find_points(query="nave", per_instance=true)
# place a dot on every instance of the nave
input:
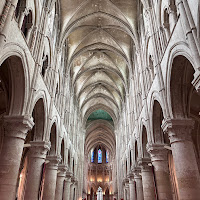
(100, 100)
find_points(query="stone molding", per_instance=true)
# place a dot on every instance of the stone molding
(157, 152)
(137, 173)
(4, 14)
(17, 126)
(178, 129)
(39, 149)
(145, 164)
(62, 169)
(53, 161)
(74, 180)
(68, 176)
(196, 81)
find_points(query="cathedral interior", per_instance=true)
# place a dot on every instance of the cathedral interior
(99, 100)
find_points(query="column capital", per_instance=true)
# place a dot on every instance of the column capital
(157, 152)
(145, 164)
(62, 169)
(39, 149)
(53, 161)
(17, 126)
(125, 181)
(130, 176)
(74, 180)
(68, 175)
(137, 173)
(178, 129)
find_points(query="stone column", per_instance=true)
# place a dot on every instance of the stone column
(127, 190)
(172, 14)
(67, 183)
(36, 159)
(159, 160)
(185, 162)
(21, 18)
(51, 177)
(60, 182)
(15, 131)
(139, 188)
(132, 188)
(147, 179)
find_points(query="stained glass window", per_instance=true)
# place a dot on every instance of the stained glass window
(92, 156)
(99, 156)
(107, 156)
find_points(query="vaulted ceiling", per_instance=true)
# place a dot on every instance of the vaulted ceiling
(100, 36)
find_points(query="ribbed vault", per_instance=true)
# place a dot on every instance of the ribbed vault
(100, 36)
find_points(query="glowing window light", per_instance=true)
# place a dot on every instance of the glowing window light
(92, 156)
(99, 156)
(107, 156)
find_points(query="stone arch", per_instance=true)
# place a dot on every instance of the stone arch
(53, 140)
(157, 118)
(63, 151)
(185, 100)
(69, 157)
(130, 158)
(155, 96)
(179, 49)
(145, 154)
(166, 23)
(13, 84)
(136, 152)
(40, 95)
(180, 86)
(39, 120)
(27, 24)
(154, 108)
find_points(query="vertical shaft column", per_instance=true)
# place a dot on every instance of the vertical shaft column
(139, 188)
(127, 190)
(147, 179)
(159, 160)
(67, 183)
(132, 188)
(36, 159)
(60, 182)
(185, 162)
(13, 142)
(51, 177)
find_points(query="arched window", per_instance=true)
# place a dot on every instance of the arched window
(107, 156)
(99, 156)
(21, 4)
(151, 67)
(45, 65)
(166, 23)
(56, 92)
(92, 156)
(27, 24)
